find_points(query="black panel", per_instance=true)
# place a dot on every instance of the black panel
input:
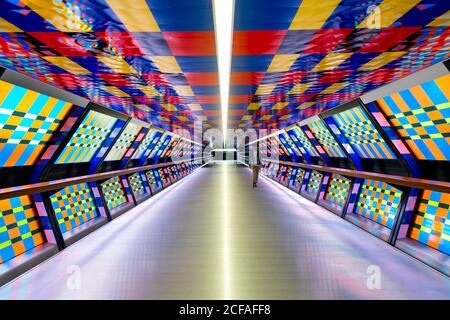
(435, 170)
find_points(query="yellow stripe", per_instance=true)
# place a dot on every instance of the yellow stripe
(117, 64)
(282, 62)
(185, 91)
(381, 60)
(299, 88)
(312, 14)
(279, 105)
(195, 106)
(166, 64)
(169, 107)
(286, 116)
(254, 106)
(266, 117)
(149, 91)
(27, 101)
(265, 89)
(182, 118)
(135, 15)
(305, 105)
(6, 26)
(246, 117)
(441, 21)
(335, 87)
(114, 91)
(389, 11)
(63, 17)
(332, 61)
(5, 88)
(48, 107)
(67, 64)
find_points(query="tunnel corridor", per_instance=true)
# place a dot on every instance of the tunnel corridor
(213, 236)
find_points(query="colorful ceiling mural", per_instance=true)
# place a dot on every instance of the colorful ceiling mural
(293, 59)
(153, 60)
(156, 60)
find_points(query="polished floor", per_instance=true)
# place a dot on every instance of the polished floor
(212, 236)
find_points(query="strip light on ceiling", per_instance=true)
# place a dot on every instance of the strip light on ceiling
(223, 19)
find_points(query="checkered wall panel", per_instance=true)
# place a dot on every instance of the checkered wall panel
(74, 206)
(143, 146)
(113, 193)
(124, 141)
(27, 122)
(379, 202)
(87, 139)
(421, 116)
(326, 139)
(431, 224)
(20, 229)
(337, 190)
(362, 134)
(297, 179)
(136, 185)
(313, 186)
(153, 180)
(289, 145)
(304, 142)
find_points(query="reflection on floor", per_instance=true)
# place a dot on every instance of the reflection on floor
(213, 236)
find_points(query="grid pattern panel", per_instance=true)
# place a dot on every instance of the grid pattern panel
(304, 141)
(27, 122)
(297, 180)
(421, 116)
(20, 229)
(136, 184)
(122, 144)
(362, 135)
(144, 144)
(328, 142)
(88, 138)
(379, 202)
(431, 224)
(113, 192)
(314, 182)
(338, 190)
(73, 206)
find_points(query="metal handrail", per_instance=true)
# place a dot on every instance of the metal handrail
(391, 179)
(46, 186)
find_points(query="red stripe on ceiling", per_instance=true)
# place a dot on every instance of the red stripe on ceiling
(240, 98)
(293, 77)
(245, 78)
(236, 112)
(325, 40)
(257, 42)
(124, 40)
(200, 43)
(202, 78)
(62, 43)
(208, 99)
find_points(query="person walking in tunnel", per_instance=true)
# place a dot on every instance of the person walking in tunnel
(256, 167)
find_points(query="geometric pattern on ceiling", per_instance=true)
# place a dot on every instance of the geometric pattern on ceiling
(293, 59)
(153, 60)
(156, 60)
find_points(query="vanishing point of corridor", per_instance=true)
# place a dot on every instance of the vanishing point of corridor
(213, 236)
